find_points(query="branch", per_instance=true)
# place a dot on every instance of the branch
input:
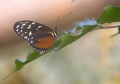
(105, 27)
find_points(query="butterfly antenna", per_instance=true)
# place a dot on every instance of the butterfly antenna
(57, 20)
(64, 18)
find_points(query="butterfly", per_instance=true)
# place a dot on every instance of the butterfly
(39, 36)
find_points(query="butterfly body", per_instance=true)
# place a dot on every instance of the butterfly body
(39, 36)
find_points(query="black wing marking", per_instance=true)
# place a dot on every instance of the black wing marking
(27, 28)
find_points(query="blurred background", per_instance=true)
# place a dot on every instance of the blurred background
(93, 59)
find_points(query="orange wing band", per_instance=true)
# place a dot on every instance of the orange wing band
(44, 43)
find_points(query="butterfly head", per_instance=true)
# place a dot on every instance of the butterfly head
(56, 29)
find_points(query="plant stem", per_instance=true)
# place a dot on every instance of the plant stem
(106, 27)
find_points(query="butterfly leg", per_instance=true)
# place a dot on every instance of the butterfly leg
(55, 50)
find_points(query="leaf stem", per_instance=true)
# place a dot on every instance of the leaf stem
(7, 76)
(106, 27)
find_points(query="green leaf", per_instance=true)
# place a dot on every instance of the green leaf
(87, 26)
(109, 14)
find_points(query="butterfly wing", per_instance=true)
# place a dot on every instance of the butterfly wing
(41, 41)
(26, 28)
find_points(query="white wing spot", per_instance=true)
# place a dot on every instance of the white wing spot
(41, 51)
(39, 26)
(21, 31)
(25, 37)
(21, 27)
(37, 29)
(29, 27)
(31, 41)
(31, 37)
(23, 24)
(17, 30)
(17, 26)
(22, 35)
(33, 22)
(30, 33)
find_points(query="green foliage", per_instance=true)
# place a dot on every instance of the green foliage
(110, 14)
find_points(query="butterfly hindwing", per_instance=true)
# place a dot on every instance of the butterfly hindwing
(41, 41)
(26, 28)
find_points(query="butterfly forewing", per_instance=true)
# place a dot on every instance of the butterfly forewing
(41, 41)
(26, 28)
(39, 36)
